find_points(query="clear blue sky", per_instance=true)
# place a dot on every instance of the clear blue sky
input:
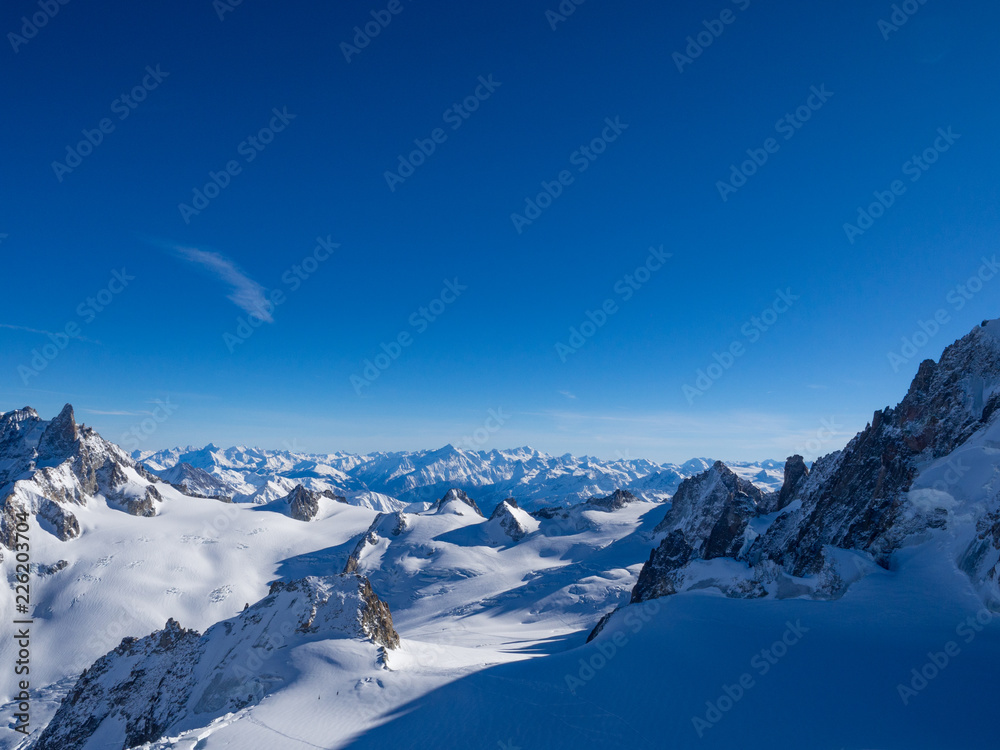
(494, 347)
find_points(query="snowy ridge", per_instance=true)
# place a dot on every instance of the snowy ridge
(144, 688)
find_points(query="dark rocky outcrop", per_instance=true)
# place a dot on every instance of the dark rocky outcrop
(615, 501)
(60, 437)
(303, 505)
(795, 472)
(60, 520)
(656, 577)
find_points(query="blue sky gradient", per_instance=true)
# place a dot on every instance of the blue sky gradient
(511, 110)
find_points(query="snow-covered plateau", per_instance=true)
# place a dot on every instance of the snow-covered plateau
(214, 598)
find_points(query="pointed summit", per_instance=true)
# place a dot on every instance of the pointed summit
(60, 435)
(454, 496)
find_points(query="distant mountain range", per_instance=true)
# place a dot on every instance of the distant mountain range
(388, 481)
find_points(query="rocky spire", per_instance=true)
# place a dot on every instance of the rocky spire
(60, 436)
(302, 504)
(795, 472)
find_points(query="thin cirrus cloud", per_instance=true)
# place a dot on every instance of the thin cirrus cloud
(46, 333)
(244, 292)
(103, 413)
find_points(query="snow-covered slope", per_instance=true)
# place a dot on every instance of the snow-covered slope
(148, 687)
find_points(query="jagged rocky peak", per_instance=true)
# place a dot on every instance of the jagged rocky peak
(700, 499)
(303, 505)
(615, 501)
(137, 692)
(709, 518)
(503, 508)
(795, 472)
(46, 468)
(457, 496)
(59, 438)
(856, 499)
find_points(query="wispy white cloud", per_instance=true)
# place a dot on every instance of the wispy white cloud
(46, 333)
(567, 394)
(117, 413)
(245, 293)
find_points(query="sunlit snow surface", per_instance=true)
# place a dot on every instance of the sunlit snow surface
(493, 650)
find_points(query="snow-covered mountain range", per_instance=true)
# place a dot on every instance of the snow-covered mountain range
(387, 481)
(207, 599)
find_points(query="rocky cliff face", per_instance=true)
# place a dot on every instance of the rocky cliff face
(49, 467)
(303, 505)
(135, 693)
(709, 518)
(615, 501)
(856, 499)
